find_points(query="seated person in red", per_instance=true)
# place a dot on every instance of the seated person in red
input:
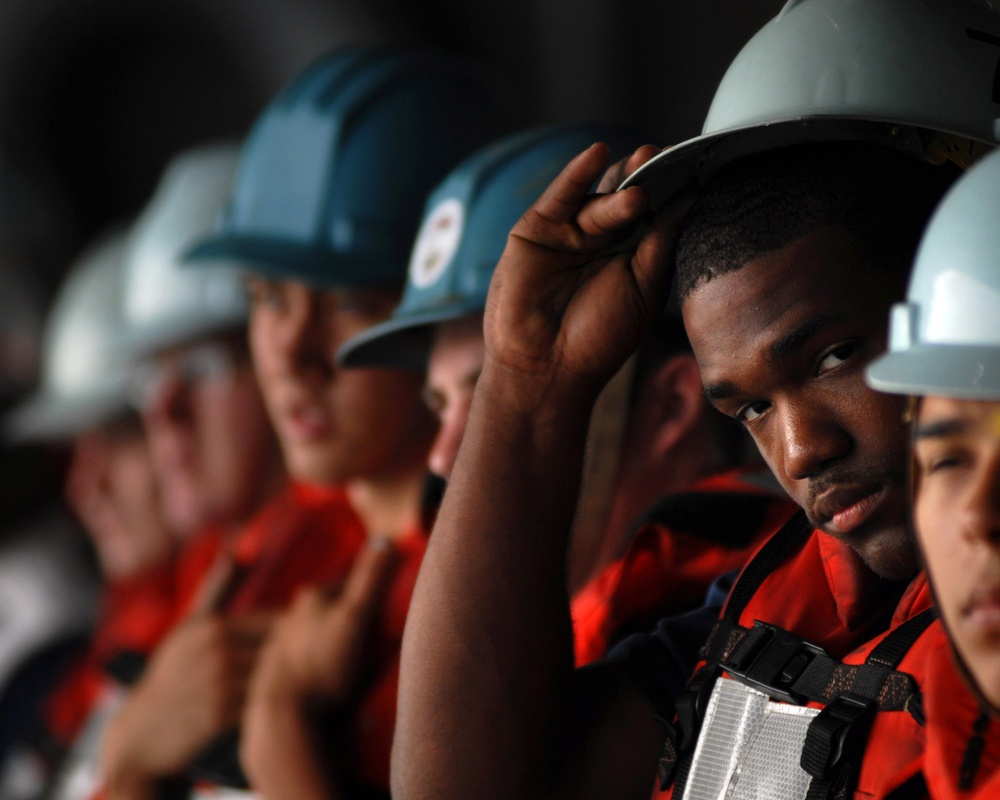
(658, 454)
(945, 350)
(111, 484)
(190, 379)
(324, 205)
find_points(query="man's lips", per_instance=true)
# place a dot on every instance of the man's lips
(841, 509)
(305, 420)
(982, 610)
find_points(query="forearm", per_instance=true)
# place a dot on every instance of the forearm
(124, 776)
(285, 760)
(487, 653)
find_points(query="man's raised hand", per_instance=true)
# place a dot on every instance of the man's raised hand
(579, 283)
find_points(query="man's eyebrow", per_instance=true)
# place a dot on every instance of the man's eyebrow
(788, 344)
(940, 429)
(719, 391)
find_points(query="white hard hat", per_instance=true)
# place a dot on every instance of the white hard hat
(83, 365)
(168, 303)
(915, 75)
(945, 339)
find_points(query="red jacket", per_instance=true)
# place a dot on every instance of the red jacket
(961, 758)
(374, 719)
(309, 537)
(135, 614)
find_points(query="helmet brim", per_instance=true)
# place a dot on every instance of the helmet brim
(693, 162)
(962, 371)
(152, 339)
(399, 343)
(289, 261)
(48, 418)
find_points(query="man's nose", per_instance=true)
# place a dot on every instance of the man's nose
(811, 439)
(981, 503)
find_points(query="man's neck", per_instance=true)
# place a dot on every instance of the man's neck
(388, 506)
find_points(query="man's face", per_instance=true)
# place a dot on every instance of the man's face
(211, 440)
(335, 425)
(456, 361)
(112, 487)
(782, 344)
(957, 514)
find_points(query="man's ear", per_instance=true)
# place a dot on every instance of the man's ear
(674, 402)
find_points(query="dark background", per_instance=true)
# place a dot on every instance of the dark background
(97, 95)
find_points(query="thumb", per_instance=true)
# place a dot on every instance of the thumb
(217, 585)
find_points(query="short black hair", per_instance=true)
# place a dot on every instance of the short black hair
(766, 201)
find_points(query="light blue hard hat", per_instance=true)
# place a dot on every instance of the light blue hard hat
(944, 340)
(335, 171)
(464, 231)
(918, 76)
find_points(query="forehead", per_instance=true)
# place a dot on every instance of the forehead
(978, 417)
(458, 345)
(783, 297)
(295, 286)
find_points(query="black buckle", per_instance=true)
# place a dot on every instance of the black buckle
(770, 659)
(833, 735)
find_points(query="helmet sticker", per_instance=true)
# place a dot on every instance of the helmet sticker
(437, 242)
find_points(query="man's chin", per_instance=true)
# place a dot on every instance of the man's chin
(889, 552)
(308, 466)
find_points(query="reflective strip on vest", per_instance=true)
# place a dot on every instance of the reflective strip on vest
(749, 747)
(79, 775)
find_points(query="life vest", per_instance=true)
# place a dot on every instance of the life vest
(770, 713)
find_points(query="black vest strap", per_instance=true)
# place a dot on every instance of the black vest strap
(789, 668)
(836, 737)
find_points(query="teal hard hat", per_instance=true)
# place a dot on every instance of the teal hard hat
(944, 340)
(466, 222)
(334, 173)
(84, 367)
(918, 76)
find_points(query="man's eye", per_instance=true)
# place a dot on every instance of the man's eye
(434, 402)
(938, 462)
(352, 303)
(752, 411)
(836, 357)
(264, 293)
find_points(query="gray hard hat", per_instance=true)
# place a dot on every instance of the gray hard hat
(914, 76)
(84, 368)
(945, 339)
(167, 303)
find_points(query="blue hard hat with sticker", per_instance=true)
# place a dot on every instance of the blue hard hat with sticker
(464, 231)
